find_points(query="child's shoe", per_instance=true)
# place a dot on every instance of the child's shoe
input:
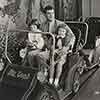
(51, 80)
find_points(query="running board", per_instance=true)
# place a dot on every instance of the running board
(66, 96)
(93, 66)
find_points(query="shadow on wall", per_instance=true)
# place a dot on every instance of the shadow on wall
(35, 8)
(3, 3)
(25, 10)
(68, 9)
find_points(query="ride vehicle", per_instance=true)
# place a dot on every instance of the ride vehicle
(93, 39)
(26, 82)
(89, 51)
(18, 81)
(92, 46)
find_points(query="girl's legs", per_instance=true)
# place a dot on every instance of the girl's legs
(59, 70)
(58, 73)
(52, 70)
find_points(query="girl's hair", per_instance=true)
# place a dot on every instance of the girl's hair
(34, 22)
(61, 26)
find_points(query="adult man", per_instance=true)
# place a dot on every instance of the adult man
(51, 23)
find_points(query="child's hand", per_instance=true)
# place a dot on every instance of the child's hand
(1, 65)
(63, 51)
(45, 72)
(23, 53)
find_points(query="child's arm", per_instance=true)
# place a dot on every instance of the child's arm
(68, 45)
(70, 40)
(1, 64)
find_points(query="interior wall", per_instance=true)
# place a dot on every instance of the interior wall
(90, 8)
(2, 3)
(95, 8)
(86, 8)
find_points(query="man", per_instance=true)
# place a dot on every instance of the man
(51, 24)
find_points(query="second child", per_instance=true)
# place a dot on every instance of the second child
(64, 42)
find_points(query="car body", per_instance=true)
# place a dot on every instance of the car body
(14, 75)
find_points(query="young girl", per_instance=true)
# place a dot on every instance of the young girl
(33, 50)
(34, 42)
(64, 42)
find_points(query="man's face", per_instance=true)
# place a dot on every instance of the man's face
(50, 14)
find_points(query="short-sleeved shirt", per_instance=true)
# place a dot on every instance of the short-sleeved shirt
(45, 26)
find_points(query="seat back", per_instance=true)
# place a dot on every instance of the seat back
(93, 31)
(82, 31)
(77, 34)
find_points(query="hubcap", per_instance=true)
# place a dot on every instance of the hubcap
(76, 86)
(76, 83)
(45, 96)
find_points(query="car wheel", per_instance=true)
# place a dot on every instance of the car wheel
(46, 93)
(76, 82)
(73, 79)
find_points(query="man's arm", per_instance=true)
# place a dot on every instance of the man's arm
(70, 38)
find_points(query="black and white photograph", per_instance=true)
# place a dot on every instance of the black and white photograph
(49, 50)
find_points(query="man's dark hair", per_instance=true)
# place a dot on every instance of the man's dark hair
(49, 7)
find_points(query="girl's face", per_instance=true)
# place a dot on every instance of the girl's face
(33, 27)
(62, 32)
